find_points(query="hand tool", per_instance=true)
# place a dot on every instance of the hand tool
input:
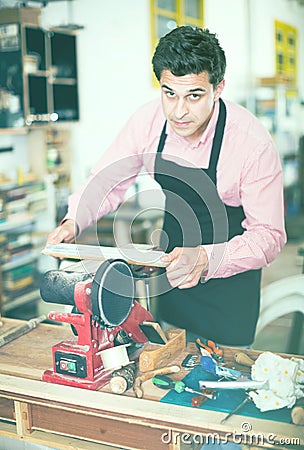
(243, 359)
(211, 347)
(16, 332)
(211, 366)
(297, 412)
(190, 361)
(233, 384)
(154, 333)
(196, 401)
(165, 382)
(155, 356)
(105, 314)
(123, 379)
(237, 408)
(148, 375)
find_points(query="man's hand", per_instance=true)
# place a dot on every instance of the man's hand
(66, 232)
(186, 266)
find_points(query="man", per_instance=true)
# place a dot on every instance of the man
(222, 180)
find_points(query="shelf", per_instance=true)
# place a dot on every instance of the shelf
(22, 300)
(31, 256)
(24, 219)
(21, 242)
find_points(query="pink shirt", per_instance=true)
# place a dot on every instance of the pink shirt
(249, 173)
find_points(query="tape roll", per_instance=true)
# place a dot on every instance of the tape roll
(115, 357)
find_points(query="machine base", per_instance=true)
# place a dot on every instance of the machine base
(101, 380)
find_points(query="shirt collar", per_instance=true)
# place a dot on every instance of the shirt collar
(207, 133)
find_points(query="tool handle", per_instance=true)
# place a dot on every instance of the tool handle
(165, 382)
(197, 401)
(242, 358)
(17, 332)
(297, 412)
(218, 351)
(201, 344)
(148, 375)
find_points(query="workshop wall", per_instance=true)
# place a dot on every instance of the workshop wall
(114, 61)
(114, 55)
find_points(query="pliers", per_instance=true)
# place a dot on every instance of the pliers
(211, 347)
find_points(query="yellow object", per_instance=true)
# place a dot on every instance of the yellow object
(20, 178)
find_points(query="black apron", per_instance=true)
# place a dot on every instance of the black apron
(222, 309)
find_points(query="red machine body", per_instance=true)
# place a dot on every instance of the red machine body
(76, 361)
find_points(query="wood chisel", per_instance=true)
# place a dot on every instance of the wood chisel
(16, 332)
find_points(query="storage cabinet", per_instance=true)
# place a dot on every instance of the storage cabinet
(38, 71)
(20, 243)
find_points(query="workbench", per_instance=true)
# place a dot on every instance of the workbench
(65, 417)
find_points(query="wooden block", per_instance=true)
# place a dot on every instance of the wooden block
(137, 254)
(155, 356)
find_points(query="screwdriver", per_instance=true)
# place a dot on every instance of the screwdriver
(165, 382)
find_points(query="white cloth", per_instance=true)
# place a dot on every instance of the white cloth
(284, 377)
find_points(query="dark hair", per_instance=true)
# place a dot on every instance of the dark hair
(187, 50)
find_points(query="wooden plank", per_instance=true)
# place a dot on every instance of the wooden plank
(50, 440)
(105, 430)
(141, 411)
(7, 410)
(23, 418)
(138, 255)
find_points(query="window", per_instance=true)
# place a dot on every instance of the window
(286, 52)
(168, 14)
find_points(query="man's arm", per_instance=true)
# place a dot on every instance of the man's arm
(264, 237)
(261, 194)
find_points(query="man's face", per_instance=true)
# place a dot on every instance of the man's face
(188, 102)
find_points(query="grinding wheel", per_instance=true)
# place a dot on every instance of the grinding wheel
(113, 292)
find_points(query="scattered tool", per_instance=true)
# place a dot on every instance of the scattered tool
(123, 379)
(211, 347)
(211, 366)
(190, 361)
(198, 400)
(16, 332)
(155, 356)
(148, 375)
(165, 382)
(243, 359)
(247, 385)
(297, 412)
(237, 408)
(153, 332)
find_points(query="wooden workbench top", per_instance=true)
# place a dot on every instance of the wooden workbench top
(23, 361)
(30, 354)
